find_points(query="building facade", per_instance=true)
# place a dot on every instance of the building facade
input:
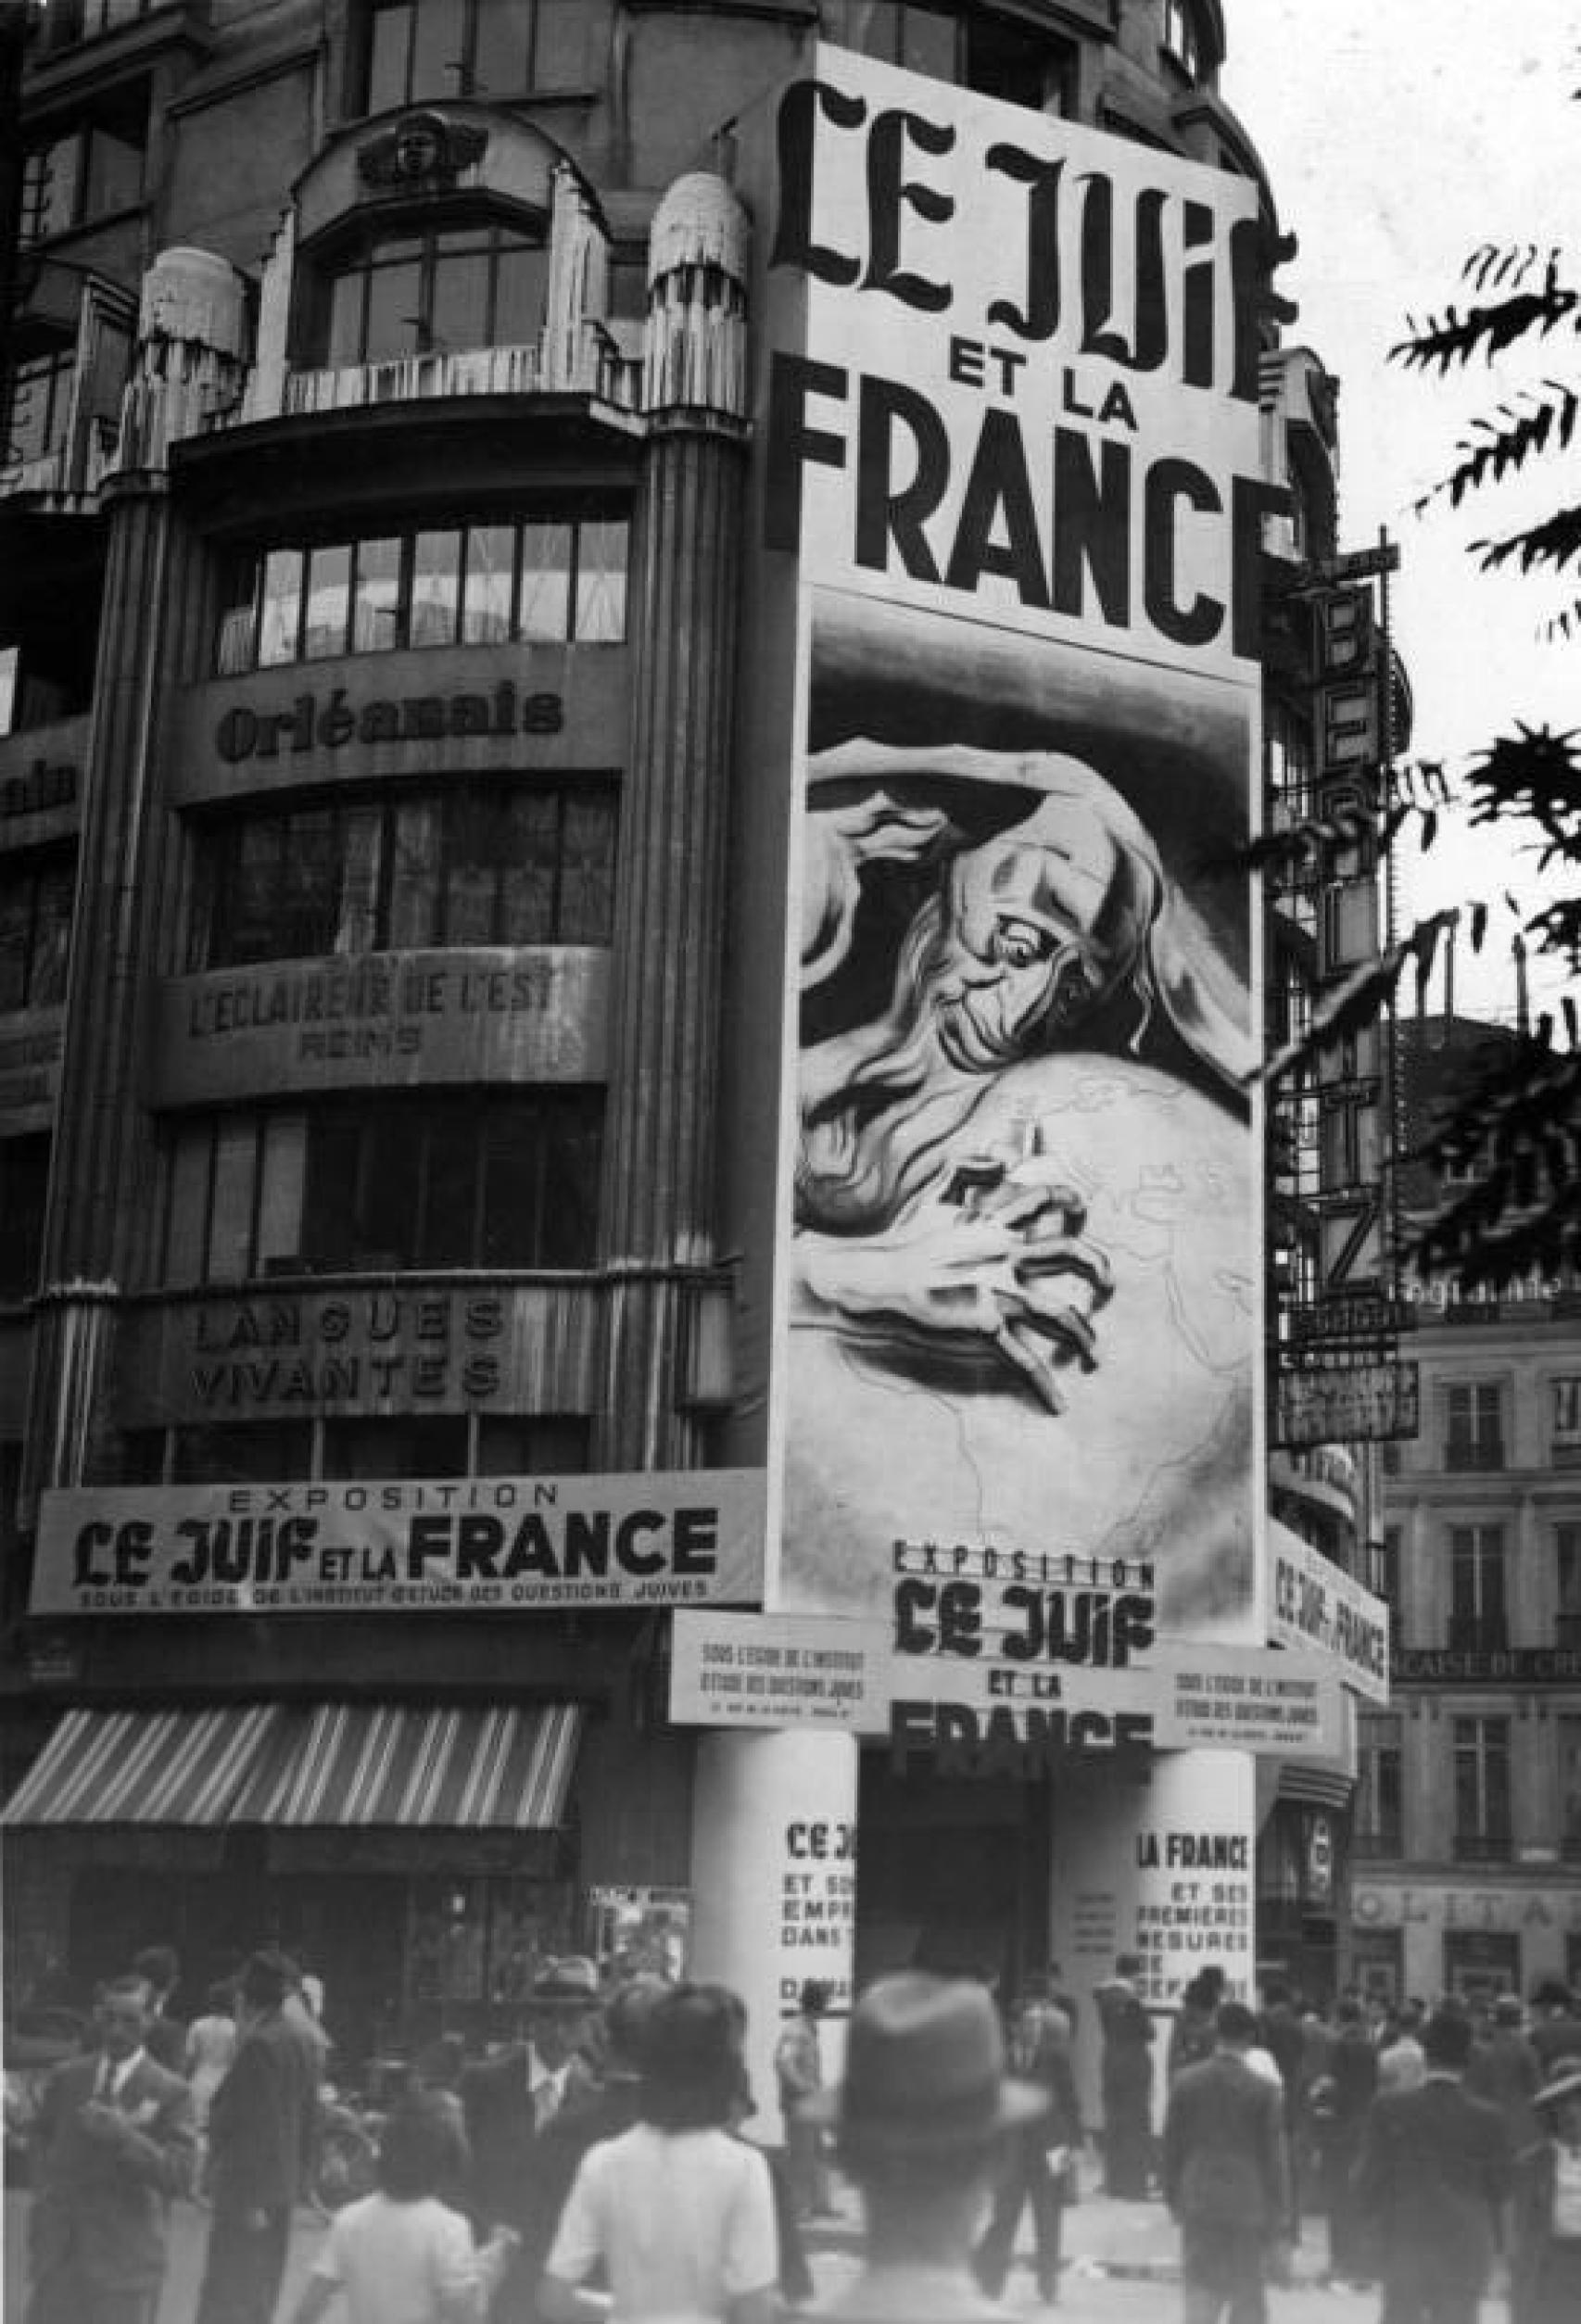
(390, 937)
(1467, 1830)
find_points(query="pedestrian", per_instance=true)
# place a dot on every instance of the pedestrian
(1063, 2000)
(1402, 2064)
(1285, 2043)
(263, 2128)
(529, 2113)
(799, 2072)
(920, 2124)
(1126, 2076)
(210, 2048)
(1505, 2070)
(113, 2142)
(1039, 2157)
(678, 2214)
(1226, 2177)
(1192, 2037)
(1432, 2181)
(402, 2256)
(160, 1968)
(1546, 2274)
(1555, 2031)
(1338, 2103)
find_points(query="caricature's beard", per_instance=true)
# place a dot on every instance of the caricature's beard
(877, 1104)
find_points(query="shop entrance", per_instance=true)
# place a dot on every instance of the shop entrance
(952, 1875)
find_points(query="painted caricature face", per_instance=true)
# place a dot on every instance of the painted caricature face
(1041, 925)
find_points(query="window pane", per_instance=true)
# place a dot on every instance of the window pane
(450, 1208)
(587, 886)
(52, 935)
(329, 1209)
(457, 313)
(376, 614)
(531, 855)
(390, 1162)
(473, 847)
(521, 286)
(115, 173)
(280, 1194)
(600, 581)
(347, 295)
(435, 588)
(16, 932)
(437, 51)
(188, 1217)
(513, 1187)
(230, 1237)
(249, 896)
(238, 619)
(568, 1233)
(486, 604)
(395, 310)
(389, 36)
(329, 601)
(281, 627)
(309, 904)
(414, 882)
(572, 44)
(499, 52)
(546, 581)
(928, 43)
(357, 920)
(58, 179)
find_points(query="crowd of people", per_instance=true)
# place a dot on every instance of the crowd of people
(597, 2168)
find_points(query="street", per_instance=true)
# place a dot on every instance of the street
(1101, 2235)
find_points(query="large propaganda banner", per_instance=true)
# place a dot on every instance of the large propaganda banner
(1008, 413)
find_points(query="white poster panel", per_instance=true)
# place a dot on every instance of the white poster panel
(983, 1713)
(1010, 420)
(1313, 1606)
(459, 1545)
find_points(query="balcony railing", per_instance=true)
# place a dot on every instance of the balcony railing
(601, 371)
(1482, 1848)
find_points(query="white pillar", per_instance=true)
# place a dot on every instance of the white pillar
(773, 1885)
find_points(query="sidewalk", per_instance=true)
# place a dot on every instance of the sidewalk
(1103, 2237)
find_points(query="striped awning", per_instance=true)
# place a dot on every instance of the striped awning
(145, 1767)
(354, 1765)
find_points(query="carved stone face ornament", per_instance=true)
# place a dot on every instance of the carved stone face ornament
(424, 150)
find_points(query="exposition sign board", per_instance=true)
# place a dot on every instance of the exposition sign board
(983, 1711)
(457, 1545)
(1314, 1605)
(1010, 503)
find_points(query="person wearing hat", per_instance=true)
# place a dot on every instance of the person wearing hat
(529, 2113)
(1040, 2157)
(799, 2074)
(1545, 2286)
(1226, 2173)
(921, 2124)
(678, 2212)
(1433, 2179)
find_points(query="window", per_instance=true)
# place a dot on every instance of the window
(24, 1187)
(414, 1445)
(1567, 1733)
(1383, 1569)
(69, 20)
(1379, 1825)
(89, 171)
(1567, 1588)
(424, 49)
(496, 863)
(546, 1444)
(1482, 1789)
(544, 579)
(408, 293)
(1474, 1431)
(974, 46)
(1181, 37)
(245, 1452)
(35, 929)
(41, 405)
(502, 1181)
(1565, 1449)
(1478, 1621)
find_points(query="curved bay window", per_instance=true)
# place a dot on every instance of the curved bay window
(375, 1184)
(415, 289)
(474, 864)
(550, 580)
(999, 55)
(410, 50)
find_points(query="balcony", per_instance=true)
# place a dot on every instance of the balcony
(601, 370)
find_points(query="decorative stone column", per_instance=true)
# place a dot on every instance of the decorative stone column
(188, 370)
(658, 1201)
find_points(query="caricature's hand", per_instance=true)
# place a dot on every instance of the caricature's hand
(994, 1261)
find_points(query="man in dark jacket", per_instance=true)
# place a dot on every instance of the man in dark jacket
(262, 2130)
(1433, 2179)
(1340, 2100)
(531, 2114)
(1040, 2155)
(114, 2143)
(1225, 2177)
